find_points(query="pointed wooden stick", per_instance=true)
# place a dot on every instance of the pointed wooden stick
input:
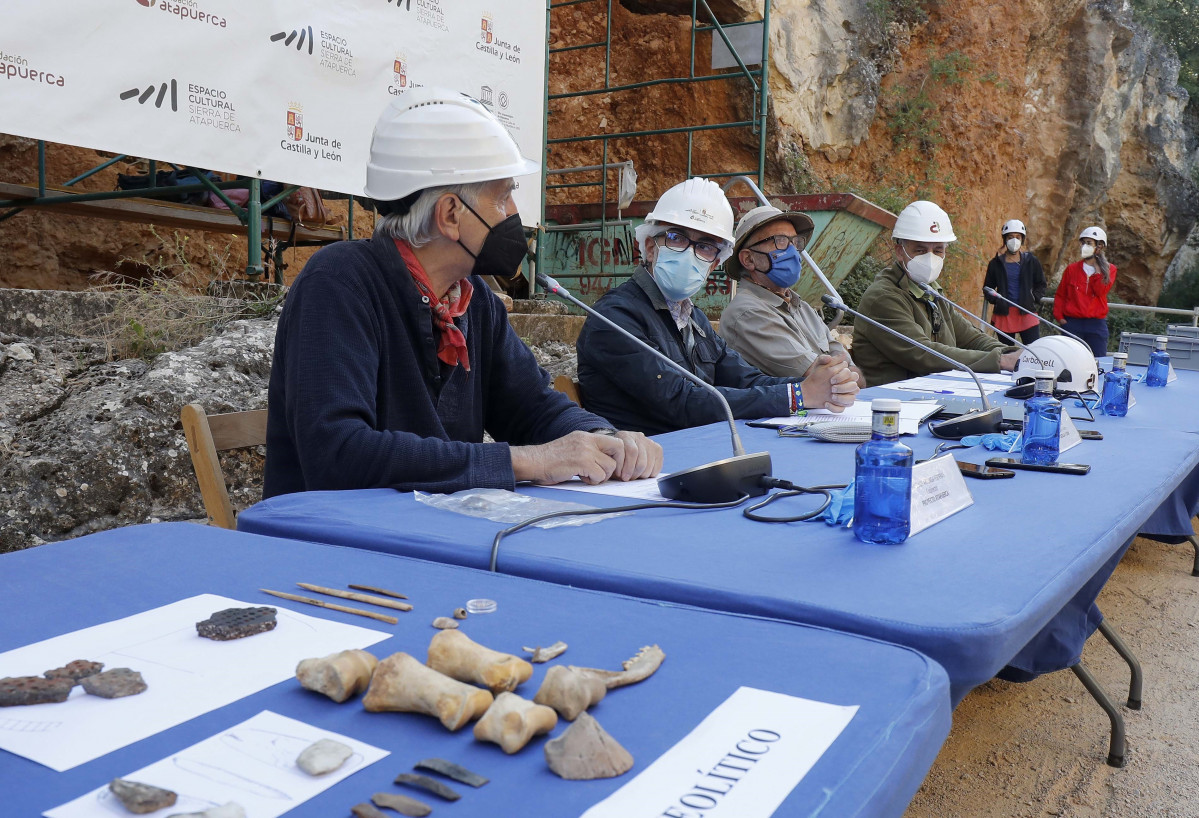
(367, 598)
(390, 620)
(375, 590)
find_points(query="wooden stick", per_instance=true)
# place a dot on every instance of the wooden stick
(367, 598)
(375, 590)
(390, 620)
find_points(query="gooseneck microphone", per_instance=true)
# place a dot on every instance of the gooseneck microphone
(999, 332)
(993, 293)
(720, 482)
(974, 422)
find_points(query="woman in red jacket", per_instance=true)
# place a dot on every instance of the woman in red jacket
(1080, 304)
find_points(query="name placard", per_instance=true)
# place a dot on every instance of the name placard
(938, 491)
(1069, 437)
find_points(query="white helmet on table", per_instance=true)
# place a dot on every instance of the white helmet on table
(1094, 233)
(429, 137)
(923, 221)
(1013, 226)
(1071, 361)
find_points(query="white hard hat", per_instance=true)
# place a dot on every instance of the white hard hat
(923, 221)
(764, 214)
(697, 203)
(1095, 233)
(1013, 226)
(1072, 362)
(428, 137)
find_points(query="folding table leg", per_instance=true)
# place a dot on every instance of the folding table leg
(1134, 685)
(1115, 752)
(1195, 543)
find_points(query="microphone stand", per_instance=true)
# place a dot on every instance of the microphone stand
(1010, 339)
(719, 482)
(992, 292)
(974, 422)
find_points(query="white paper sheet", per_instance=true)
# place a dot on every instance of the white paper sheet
(936, 386)
(911, 415)
(252, 763)
(785, 734)
(646, 489)
(1006, 379)
(186, 675)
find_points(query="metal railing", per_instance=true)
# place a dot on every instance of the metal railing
(1192, 313)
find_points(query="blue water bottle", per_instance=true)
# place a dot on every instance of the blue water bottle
(1159, 364)
(1042, 421)
(882, 500)
(1116, 385)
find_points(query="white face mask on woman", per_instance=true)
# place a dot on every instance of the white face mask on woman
(1088, 250)
(1013, 244)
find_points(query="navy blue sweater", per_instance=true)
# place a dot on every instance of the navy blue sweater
(359, 399)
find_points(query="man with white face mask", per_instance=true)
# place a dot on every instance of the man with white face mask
(921, 238)
(688, 233)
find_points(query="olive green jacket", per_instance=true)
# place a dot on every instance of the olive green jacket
(895, 301)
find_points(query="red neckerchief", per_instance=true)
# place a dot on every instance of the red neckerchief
(451, 343)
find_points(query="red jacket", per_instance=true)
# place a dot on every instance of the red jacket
(1082, 296)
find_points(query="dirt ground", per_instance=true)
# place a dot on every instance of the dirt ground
(1039, 749)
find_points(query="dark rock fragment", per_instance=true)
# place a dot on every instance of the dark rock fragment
(429, 784)
(402, 804)
(115, 683)
(141, 798)
(366, 810)
(18, 690)
(234, 623)
(75, 671)
(451, 770)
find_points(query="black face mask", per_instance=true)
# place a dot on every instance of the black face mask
(502, 250)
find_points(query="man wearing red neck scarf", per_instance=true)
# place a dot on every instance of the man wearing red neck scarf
(392, 357)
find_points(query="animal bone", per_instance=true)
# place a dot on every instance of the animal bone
(511, 721)
(545, 654)
(586, 751)
(401, 804)
(428, 784)
(456, 655)
(402, 683)
(451, 770)
(641, 666)
(571, 690)
(460, 613)
(444, 623)
(338, 675)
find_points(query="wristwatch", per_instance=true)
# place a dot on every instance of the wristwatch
(604, 430)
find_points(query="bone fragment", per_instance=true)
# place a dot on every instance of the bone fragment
(451, 770)
(545, 654)
(429, 784)
(511, 721)
(444, 623)
(570, 690)
(456, 655)
(375, 590)
(460, 613)
(401, 804)
(402, 683)
(367, 810)
(586, 751)
(339, 676)
(230, 809)
(640, 667)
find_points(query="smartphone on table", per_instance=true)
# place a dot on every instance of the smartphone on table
(987, 472)
(1056, 468)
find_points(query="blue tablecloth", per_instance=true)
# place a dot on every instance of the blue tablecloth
(872, 769)
(970, 592)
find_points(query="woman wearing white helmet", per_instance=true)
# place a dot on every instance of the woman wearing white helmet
(1080, 303)
(921, 238)
(687, 234)
(1015, 273)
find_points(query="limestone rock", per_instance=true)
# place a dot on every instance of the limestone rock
(114, 684)
(586, 751)
(141, 798)
(323, 756)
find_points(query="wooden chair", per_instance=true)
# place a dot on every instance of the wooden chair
(209, 434)
(569, 388)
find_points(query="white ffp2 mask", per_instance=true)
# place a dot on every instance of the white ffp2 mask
(1013, 245)
(925, 269)
(1088, 250)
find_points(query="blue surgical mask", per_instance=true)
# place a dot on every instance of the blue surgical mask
(785, 267)
(679, 275)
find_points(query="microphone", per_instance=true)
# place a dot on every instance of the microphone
(991, 292)
(720, 482)
(999, 332)
(974, 422)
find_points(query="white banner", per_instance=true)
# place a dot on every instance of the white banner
(288, 91)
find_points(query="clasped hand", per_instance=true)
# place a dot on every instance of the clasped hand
(593, 458)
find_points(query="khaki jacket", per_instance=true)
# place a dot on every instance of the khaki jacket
(893, 300)
(780, 338)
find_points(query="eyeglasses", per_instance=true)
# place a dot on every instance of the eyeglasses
(678, 241)
(781, 241)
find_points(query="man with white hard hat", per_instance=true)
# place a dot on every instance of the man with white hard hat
(392, 356)
(921, 238)
(688, 233)
(766, 322)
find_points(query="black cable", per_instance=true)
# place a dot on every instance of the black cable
(790, 490)
(495, 544)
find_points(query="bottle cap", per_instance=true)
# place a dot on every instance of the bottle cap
(1161, 339)
(1119, 356)
(885, 405)
(1046, 374)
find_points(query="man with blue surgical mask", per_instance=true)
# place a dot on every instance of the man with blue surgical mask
(921, 239)
(767, 322)
(688, 233)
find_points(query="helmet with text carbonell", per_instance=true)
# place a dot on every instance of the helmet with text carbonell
(924, 222)
(1072, 362)
(429, 137)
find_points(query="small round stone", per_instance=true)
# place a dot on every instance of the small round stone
(323, 756)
